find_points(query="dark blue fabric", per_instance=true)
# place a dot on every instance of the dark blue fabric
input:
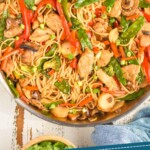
(138, 130)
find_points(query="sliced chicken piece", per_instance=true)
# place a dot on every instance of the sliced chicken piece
(107, 80)
(12, 28)
(27, 57)
(116, 10)
(54, 22)
(40, 18)
(40, 35)
(67, 48)
(100, 26)
(9, 67)
(145, 40)
(105, 58)
(130, 72)
(85, 63)
(35, 24)
(144, 35)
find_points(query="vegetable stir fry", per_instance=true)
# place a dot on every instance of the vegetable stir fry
(76, 59)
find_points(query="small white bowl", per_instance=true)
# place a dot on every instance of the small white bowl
(47, 138)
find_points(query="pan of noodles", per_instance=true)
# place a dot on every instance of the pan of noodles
(76, 62)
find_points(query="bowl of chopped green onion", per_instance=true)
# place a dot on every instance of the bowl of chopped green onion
(48, 142)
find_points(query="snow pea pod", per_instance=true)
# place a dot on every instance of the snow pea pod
(124, 23)
(84, 39)
(133, 96)
(12, 87)
(82, 3)
(144, 4)
(63, 86)
(109, 3)
(3, 24)
(64, 4)
(132, 31)
(118, 71)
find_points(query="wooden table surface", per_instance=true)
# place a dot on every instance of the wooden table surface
(18, 126)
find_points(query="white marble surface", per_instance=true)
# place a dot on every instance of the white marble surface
(33, 126)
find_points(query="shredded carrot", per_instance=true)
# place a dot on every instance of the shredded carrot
(4, 62)
(51, 72)
(103, 9)
(85, 101)
(129, 58)
(9, 54)
(59, 79)
(122, 52)
(106, 42)
(133, 17)
(96, 50)
(63, 36)
(31, 88)
(141, 50)
(115, 50)
(67, 104)
(22, 96)
(91, 23)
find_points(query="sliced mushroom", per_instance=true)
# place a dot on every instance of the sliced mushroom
(92, 119)
(83, 117)
(91, 105)
(94, 112)
(38, 105)
(127, 4)
(146, 32)
(106, 102)
(35, 95)
(60, 112)
(118, 105)
(73, 117)
(129, 7)
(29, 46)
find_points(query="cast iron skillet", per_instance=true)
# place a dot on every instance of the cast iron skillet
(107, 119)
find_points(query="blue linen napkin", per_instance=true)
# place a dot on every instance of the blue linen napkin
(138, 130)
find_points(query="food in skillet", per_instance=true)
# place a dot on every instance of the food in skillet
(76, 59)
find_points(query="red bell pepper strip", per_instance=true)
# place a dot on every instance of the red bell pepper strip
(65, 24)
(26, 20)
(148, 52)
(41, 4)
(146, 67)
(73, 63)
(4, 62)
(19, 41)
(147, 17)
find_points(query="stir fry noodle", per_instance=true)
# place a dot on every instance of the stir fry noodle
(76, 59)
